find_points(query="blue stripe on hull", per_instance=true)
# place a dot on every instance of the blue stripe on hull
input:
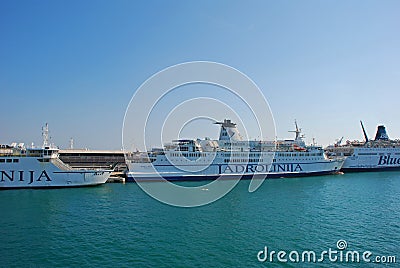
(370, 169)
(233, 177)
(47, 187)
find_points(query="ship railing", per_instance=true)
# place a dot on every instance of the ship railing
(60, 164)
(142, 160)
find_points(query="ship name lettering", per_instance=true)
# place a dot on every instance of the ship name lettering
(11, 175)
(260, 168)
(298, 168)
(245, 168)
(387, 160)
(286, 168)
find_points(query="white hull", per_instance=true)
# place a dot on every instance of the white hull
(32, 172)
(373, 159)
(283, 168)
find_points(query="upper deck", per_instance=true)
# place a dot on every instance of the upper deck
(230, 140)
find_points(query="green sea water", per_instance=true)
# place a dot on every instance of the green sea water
(118, 225)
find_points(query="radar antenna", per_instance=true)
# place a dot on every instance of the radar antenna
(297, 131)
(226, 123)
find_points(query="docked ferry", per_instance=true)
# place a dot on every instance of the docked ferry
(379, 154)
(22, 167)
(231, 157)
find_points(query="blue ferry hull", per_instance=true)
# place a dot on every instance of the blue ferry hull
(231, 177)
(370, 169)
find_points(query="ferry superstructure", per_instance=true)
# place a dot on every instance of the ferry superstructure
(231, 157)
(379, 154)
(22, 167)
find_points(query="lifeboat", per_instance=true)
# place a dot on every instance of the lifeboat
(298, 148)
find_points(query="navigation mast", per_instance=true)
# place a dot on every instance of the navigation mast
(45, 134)
(297, 131)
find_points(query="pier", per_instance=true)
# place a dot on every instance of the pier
(96, 159)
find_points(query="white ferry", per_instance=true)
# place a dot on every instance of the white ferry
(231, 157)
(22, 167)
(370, 155)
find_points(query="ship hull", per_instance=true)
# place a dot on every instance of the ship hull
(288, 170)
(29, 172)
(49, 186)
(370, 169)
(373, 159)
(133, 178)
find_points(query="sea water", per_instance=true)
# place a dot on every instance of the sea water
(118, 225)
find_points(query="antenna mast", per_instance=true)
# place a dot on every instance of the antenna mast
(45, 134)
(297, 131)
(365, 133)
(71, 143)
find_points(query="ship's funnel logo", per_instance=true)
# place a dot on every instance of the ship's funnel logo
(381, 134)
(179, 104)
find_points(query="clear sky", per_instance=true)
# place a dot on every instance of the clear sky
(76, 64)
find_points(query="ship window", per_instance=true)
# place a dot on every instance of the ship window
(15, 160)
(2, 160)
(9, 160)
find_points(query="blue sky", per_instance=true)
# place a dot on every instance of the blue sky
(76, 64)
